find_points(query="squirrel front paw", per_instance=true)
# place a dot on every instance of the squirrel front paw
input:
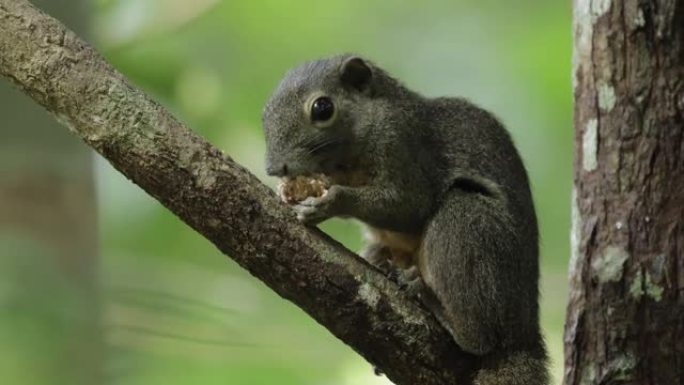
(314, 210)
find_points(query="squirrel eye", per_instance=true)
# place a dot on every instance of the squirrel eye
(322, 109)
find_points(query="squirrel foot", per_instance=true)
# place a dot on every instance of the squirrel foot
(410, 281)
(379, 256)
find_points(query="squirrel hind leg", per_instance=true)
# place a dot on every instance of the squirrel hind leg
(475, 264)
(377, 255)
(460, 261)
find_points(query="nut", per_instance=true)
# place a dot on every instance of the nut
(294, 190)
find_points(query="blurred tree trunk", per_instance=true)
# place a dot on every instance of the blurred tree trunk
(625, 322)
(49, 314)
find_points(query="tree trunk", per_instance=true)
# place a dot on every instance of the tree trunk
(625, 322)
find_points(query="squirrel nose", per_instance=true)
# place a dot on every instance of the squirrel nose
(278, 169)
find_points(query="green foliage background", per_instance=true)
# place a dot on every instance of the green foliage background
(174, 310)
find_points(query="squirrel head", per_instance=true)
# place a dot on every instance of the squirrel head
(316, 115)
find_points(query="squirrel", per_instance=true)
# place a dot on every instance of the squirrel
(442, 190)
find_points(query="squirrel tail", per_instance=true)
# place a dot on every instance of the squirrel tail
(522, 367)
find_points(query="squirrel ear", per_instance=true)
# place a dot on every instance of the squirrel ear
(356, 73)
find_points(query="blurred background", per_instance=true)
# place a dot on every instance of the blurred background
(99, 284)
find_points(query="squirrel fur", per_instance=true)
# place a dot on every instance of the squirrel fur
(442, 190)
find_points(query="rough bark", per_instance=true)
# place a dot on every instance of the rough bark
(625, 322)
(224, 202)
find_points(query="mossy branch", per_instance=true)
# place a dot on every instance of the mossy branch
(223, 201)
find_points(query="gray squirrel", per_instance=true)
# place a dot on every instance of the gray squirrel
(442, 190)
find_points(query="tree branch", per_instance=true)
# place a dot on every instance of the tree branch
(223, 201)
